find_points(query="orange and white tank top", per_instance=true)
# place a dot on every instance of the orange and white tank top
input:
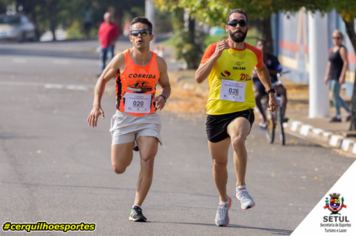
(136, 87)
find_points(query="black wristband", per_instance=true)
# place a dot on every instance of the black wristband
(271, 91)
(165, 99)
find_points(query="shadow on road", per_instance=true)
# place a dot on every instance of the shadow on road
(101, 187)
(274, 231)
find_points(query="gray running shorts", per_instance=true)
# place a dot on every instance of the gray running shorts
(126, 128)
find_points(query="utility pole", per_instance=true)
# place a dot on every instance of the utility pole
(319, 102)
(150, 14)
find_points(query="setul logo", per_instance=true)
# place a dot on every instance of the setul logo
(144, 76)
(335, 204)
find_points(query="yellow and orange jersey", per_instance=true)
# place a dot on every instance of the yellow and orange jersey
(136, 86)
(230, 80)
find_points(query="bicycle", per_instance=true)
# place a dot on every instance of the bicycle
(271, 116)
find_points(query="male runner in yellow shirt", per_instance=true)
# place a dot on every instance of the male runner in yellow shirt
(229, 65)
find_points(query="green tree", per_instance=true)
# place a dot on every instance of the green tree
(188, 42)
(213, 12)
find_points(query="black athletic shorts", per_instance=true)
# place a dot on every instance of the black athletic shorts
(216, 125)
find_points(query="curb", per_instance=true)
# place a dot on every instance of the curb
(325, 138)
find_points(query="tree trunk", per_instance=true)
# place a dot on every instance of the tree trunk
(34, 20)
(2, 7)
(29, 9)
(350, 29)
(52, 10)
(267, 33)
(118, 18)
(191, 35)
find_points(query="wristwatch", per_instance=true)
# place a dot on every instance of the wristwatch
(271, 91)
(165, 99)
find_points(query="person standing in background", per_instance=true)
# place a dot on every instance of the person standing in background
(108, 34)
(335, 72)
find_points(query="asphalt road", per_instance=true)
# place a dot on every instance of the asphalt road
(54, 168)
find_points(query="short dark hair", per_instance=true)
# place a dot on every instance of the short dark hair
(236, 11)
(143, 20)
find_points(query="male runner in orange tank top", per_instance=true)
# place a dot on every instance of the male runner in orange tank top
(137, 71)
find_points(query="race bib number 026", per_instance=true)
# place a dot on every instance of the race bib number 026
(137, 103)
(232, 90)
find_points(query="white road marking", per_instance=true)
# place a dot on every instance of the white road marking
(76, 87)
(19, 60)
(61, 62)
(49, 86)
(53, 86)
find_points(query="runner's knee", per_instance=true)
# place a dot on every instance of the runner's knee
(119, 168)
(219, 166)
(147, 162)
(238, 142)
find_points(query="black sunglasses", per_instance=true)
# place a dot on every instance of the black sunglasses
(242, 23)
(142, 32)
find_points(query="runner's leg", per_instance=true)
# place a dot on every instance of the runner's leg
(121, 156)
(148, 147)
(238, 130)
(219, 153)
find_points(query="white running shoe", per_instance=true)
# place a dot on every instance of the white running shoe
(222, 215)
(245, 198)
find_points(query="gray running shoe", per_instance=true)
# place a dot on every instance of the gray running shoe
(222, 215)
(245, 198)
(136, 215)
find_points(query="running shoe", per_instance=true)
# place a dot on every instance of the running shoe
(348, 118)
(136, 215)
(244, 197)
(335, 119)
(222, 215)
(263, 125)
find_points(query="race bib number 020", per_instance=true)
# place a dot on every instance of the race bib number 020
(232, 90)
(137, 103)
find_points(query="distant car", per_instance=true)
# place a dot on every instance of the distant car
(17, 27)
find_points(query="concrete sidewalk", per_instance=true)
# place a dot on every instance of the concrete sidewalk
(319, 130)
(333, 135)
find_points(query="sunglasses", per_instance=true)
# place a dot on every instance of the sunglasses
(142, 32)
(242, 23)
(336, 38)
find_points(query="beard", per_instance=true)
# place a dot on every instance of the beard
(238, 39)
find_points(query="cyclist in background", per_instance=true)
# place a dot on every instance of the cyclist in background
(274, 67)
